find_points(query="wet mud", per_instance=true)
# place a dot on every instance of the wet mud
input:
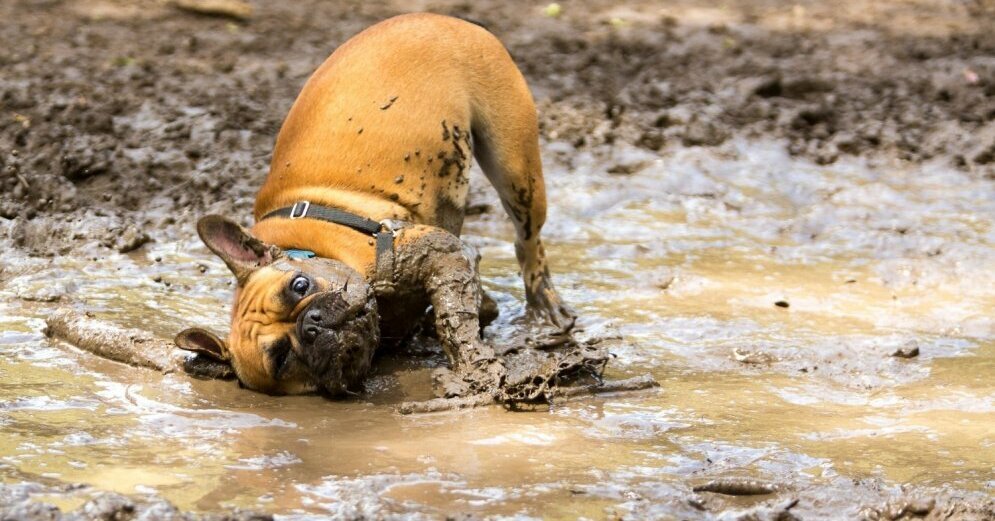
(107, 134)
(780, 212)
(15, 505)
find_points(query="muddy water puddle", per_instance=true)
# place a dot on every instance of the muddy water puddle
(766, 294)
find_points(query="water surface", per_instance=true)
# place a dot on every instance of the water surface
(684, 260)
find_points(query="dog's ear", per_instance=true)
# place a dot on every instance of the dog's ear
(242, 252)
(203, 342)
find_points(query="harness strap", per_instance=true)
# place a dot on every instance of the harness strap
(385, 252)
(304, 209)
(382, 231)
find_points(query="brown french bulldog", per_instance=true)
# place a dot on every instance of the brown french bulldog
(357, 225)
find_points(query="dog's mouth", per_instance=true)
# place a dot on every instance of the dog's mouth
(337, 336)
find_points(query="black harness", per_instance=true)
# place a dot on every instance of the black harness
(382, 231)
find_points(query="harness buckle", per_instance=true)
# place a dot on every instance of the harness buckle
(388, 225)
(303, 206)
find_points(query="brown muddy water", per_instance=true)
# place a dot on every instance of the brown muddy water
(766, 293)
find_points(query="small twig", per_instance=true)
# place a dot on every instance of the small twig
(737, 487)
(637, 383)
(481, 400)
(23, 181)
(236, 9)
(446, 404)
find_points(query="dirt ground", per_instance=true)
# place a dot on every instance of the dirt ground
(119, 119)
(122, 121)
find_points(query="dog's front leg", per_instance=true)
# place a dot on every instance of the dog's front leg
(446, 269)
(454, 290)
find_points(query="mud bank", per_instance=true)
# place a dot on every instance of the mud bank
(122, 118)
(30, 501)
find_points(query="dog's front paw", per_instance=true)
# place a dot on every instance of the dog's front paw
(446, 383)
(482, 377)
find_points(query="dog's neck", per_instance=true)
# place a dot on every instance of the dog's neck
(325, 239)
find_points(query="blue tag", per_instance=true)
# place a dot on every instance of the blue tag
(300, 254)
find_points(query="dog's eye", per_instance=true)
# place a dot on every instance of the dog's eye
(300, 285)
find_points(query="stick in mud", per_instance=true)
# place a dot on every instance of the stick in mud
(638, 383)
(737, 487)
(235, 9)
(130, 346)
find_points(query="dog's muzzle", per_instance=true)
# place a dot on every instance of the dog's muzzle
(338, 333)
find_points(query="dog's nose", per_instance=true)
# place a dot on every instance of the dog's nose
(311, 321)
(326, 313)
(310, 333)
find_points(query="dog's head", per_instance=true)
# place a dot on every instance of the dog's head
(299, 325)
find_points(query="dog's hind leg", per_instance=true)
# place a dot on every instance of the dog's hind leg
(506, 143)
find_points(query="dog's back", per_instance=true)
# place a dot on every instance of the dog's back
(385, 128)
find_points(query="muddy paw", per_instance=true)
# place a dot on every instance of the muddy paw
(541, 331)
(448, 384)
(483, 377)
(550, 315)
(547, 307)
(532, 388)
(533, 374)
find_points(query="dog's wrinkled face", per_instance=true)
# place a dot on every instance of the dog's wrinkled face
(298, 325)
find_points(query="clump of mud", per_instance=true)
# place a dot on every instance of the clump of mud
(16, 503)
(828, 83)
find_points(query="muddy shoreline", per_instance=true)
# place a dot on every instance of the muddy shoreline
(811, 132)
(17, 502)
